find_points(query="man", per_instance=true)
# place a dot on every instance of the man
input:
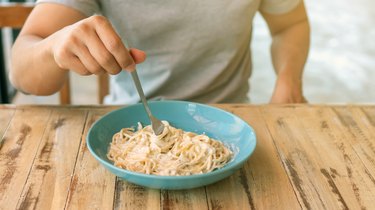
(196, 50)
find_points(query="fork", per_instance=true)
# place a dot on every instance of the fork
(156, 124)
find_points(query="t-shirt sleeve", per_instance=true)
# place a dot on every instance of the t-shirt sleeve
(87, 7)
(278, 6)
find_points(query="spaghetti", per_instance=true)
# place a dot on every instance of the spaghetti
(172, 153)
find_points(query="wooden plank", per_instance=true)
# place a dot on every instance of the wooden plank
(14, 14)
(131, 196)
(367, 116)
(92, 186)
(5, 118)
(49, 180)
(64, 93)
(301, 159)
(266, 169)
(253, 187)
(184, 199)
(20, 144)
(103, 87)
(359, 126)
(340, 166)
(232, 192)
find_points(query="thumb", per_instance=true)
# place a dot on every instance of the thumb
(138, 55)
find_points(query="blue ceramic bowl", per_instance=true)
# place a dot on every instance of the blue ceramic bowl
(198, 118)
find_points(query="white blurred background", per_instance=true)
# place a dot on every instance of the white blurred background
(341, 64)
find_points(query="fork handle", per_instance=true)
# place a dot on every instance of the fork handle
(140, 92)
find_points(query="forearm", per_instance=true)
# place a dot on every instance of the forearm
(289, 51)
(34, 69)
(290, 45)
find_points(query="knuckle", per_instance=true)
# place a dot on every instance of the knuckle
(114, 44)
(98, 19)
(95, 69)
(61, 56)
(106, 58)
(69, 42)
(80, 30)
(61, 64)
(83, 28)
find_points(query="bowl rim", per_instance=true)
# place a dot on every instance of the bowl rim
(179, 177)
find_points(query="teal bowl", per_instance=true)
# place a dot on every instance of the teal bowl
(194, 117)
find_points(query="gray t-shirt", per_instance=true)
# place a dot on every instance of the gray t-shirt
(196, 50)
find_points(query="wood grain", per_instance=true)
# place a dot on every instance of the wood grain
(49, 180)
(307, 157)
(6, 115)
(342, 168)
(301, 159)
(64, 93)
(262, 183)
(131, 196)
(267, 174)
(184, 199)
(103, 87)
(14, 14)
(362, 133)
(236, 194)
(92, 186)
(20, 144)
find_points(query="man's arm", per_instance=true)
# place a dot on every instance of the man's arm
(34, 69)
(57, 38)
(290, 45)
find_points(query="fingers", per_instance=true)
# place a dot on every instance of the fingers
(78, 59)
(78, 67)
(113, 43)
(66, 59)
(101, 55)
(92, 46)
(89, 61)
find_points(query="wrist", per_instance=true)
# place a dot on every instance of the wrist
(289, 77)
(288, 89)
(49, 44)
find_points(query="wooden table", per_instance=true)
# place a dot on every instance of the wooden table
(307, 157)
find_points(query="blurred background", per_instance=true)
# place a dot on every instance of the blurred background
(340, 68)
(341, 63)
